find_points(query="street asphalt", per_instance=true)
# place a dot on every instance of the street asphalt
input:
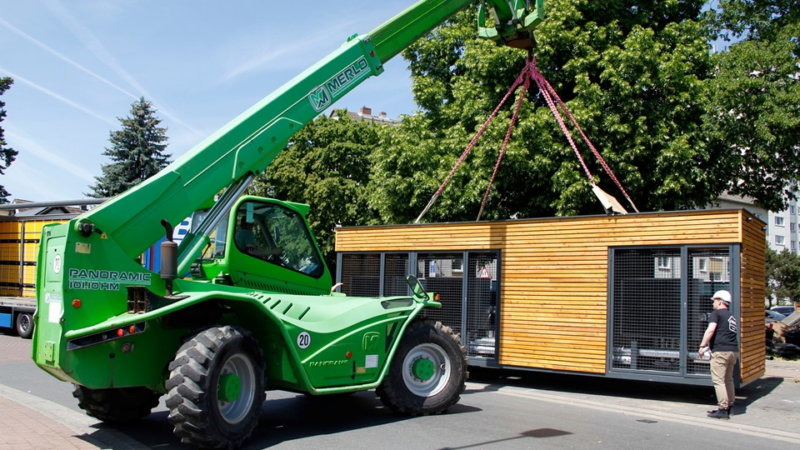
(42, 414)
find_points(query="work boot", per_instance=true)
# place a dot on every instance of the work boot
(729, 409)
(720, 414)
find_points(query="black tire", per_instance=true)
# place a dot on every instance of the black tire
(428, 372)
(197, 380)
(24, 325)
(116, 406)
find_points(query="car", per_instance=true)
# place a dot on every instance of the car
(785, 310)
(773, 316)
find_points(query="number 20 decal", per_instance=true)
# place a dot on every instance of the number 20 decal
(304, 340)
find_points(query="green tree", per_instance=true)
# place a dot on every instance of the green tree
(783, 276)
(632, 74)
(753, 111)
(136, 152)
(325, 165)
(7, 154)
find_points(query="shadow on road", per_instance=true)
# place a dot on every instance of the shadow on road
(283, 419)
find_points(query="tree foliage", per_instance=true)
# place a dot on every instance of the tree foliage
(753, 112)
(325, 165)
(7, 154)
(632, 74)
(136, 152)
(783, 275)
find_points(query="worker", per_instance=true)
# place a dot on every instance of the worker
(246, 242)
(721, 337)
(245, 239)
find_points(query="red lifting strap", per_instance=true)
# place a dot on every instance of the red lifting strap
(549, 94)
(522, 76)
(548, 91)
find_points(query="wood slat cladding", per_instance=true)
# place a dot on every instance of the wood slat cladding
(554, 288)
(752, 299)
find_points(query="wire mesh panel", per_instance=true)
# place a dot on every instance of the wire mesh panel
(709, 271)
(646, 331)
(361, 274)
(394, 275)
(443, 273)
(482, 293)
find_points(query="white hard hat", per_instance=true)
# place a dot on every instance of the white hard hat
(725, 296)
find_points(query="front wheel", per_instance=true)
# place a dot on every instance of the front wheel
(216, 388)
(428, 372)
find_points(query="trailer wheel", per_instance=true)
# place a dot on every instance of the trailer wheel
(216, 388)
(117, 406)
(24, 325)
(428, 373)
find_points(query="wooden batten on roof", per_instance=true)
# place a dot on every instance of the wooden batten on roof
(557, 267)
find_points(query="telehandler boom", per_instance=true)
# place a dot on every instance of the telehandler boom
(257, 312)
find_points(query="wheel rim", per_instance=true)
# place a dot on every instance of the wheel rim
(25, 323)
(426, 370)
(236, 388)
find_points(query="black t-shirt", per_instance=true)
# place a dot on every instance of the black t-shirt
(725, 337)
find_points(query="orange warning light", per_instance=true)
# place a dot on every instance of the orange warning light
(132, 329)
(76, 303)
(437, 297)
(349, 354)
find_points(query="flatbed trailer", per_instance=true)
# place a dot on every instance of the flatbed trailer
(17, 313)
(20, 232)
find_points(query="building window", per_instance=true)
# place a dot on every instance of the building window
(791, 226)
(794, 245)
(703, 264)
(779, 221)
(791, 209)
(778, 240)
(664, 262)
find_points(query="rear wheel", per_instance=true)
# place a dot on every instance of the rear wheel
(24, 325)
(216, 388)
(428, 372)
(116, 406)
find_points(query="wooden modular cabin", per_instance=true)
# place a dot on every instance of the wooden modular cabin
(623, 296)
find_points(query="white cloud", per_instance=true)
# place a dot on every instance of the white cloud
(27, 145)
(97, 48)
(55, 53)
(283, 54)
(58, 97)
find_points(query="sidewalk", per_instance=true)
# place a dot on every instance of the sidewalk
(26, 429)
(39, 424)
(790, 370)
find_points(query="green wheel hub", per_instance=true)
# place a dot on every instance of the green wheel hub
(423, 369)
(230, 386)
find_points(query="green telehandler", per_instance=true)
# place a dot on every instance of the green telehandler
(244, 304)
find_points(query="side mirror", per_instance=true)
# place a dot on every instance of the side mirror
(416, 287)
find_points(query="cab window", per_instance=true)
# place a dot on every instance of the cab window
(277, 235)
(217, 239)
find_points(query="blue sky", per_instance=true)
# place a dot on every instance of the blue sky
(79, 64)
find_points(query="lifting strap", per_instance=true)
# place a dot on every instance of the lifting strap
(520, 79)
(548, 93)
